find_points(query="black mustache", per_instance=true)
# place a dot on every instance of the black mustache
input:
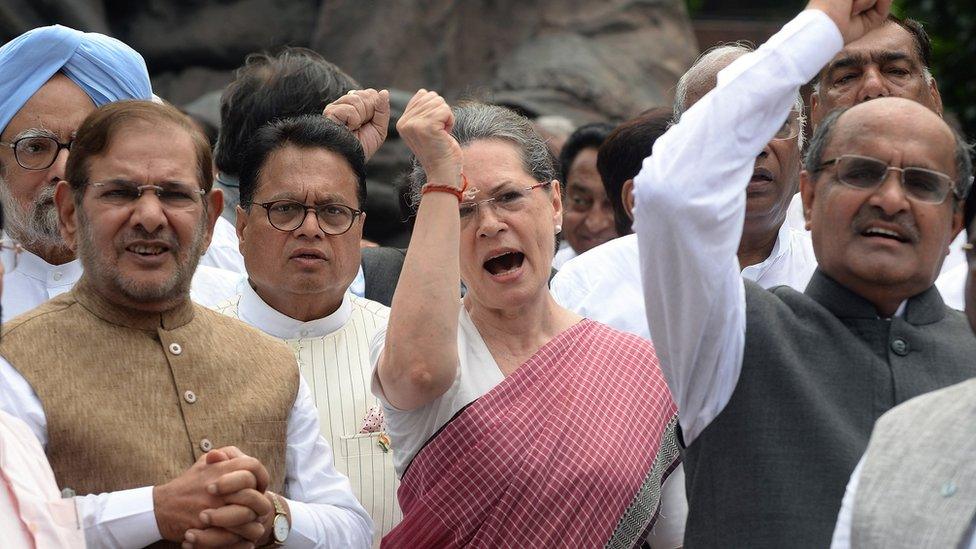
(869, 214)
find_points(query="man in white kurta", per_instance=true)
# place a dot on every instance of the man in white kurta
(333, 357)
(604, 284)
(299, 222)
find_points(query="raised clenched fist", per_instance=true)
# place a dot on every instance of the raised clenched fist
(426, 128)
(854, 18)
(366, 113)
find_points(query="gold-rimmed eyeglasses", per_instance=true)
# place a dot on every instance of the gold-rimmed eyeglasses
(504, 200)
(9, 250)
(867, 173)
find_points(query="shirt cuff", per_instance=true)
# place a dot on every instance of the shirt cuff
(119, 519)
(302, 532)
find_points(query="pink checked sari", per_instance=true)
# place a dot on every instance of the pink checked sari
(571, 450)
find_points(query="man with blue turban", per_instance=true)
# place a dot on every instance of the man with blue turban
(51, 78)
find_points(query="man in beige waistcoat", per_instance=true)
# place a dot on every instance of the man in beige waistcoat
(166, 422)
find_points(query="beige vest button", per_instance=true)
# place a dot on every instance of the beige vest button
(175, 348)
(190, 397)
(206, 445)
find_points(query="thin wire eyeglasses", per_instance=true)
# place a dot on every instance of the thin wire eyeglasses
(288, 215)
(507, 200)
(37, 152)
(867, 173)
(10, 249)
(172, 196)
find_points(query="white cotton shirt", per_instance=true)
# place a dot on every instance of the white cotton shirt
(333, 357)
(689, 212)
(604, 284)
(224, 251)
(563, 254)
(36, 281)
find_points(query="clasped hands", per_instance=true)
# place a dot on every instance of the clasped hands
(220, 501)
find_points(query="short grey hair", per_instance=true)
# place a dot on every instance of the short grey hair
(822, 136)
(474, 121)
(705, 70)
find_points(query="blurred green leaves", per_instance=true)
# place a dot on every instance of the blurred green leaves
(952, 26)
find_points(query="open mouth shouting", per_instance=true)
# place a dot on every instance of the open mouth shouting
(504, 265)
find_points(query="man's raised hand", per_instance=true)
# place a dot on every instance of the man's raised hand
(366, 113)
(426, 128)
(854, 18)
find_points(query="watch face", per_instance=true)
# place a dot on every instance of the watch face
(281, 528)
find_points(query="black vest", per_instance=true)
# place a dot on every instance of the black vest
(818, 369)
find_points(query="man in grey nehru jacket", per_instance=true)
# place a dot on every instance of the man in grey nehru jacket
(916, 484)
(778, 390)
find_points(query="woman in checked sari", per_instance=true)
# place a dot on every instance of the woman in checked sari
(514, 422)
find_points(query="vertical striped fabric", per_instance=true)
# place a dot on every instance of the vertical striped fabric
(338, 372)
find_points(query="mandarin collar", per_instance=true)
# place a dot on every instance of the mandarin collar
(256, 312)
(924, 308)
(178, 316)
(31, 265)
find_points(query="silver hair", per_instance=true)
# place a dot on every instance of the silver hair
(474, 121)
(36, 225)
(704, 71)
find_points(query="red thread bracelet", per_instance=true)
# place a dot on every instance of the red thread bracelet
(458, 193)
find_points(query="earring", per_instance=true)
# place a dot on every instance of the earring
(559, 229)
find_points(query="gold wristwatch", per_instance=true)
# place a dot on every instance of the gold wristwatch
(281, 525)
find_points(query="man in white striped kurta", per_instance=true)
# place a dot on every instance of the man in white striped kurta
(300, 221)
(333, 355)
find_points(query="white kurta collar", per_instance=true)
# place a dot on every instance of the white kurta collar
(780, 248)
(253, 310)
(32, 266)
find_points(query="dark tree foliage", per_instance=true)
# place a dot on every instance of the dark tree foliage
(952, 26)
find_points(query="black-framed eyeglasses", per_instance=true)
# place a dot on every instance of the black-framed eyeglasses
(867, 173)
(37, 152)
(9, 250)
(510, 200)
(288, 215)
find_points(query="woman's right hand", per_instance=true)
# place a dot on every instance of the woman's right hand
(426, 128)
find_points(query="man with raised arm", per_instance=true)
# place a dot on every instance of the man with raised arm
(778, 390)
